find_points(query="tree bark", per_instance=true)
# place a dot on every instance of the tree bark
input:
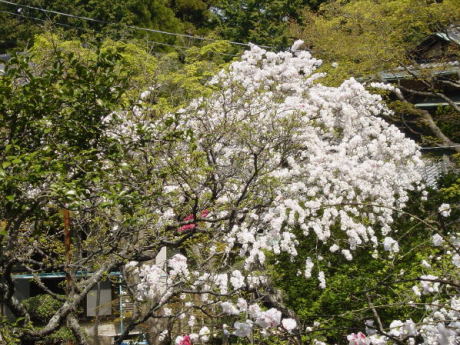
(428, 120)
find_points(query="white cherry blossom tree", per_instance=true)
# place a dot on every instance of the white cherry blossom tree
(272, 151)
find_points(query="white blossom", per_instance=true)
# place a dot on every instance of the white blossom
(243, 329)
(456, 260)
(308, 267)
(445, 210)
(162, 336)
(269, 318)
(242, 305)
(178, 264)
(297, 44)
(437, 240)
(428, 283)
(337, 174)
(390, 245)
(425, 264)
(191, 321)
(334, 248)
(347, 254)
(289, 324)
(322, 280)
(237, 280)
(229, 308)
(204, 334)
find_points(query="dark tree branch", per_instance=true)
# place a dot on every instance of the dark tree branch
(429, 121)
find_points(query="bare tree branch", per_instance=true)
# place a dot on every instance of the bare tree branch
(429, 121)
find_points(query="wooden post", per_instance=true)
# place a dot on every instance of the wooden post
(68, 256)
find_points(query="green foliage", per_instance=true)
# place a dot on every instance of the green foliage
(343, 305)
(133, 63)
(365, 36)
(6, 331)
(195, 12)
(56, 151)
(178, 82)
(42, 307)
(51, 125)
(261, 22)
(173, 78)
(17, 32)
(450, 186)
(111, 19)
(62, 335)
(52, 138)
(155, 14)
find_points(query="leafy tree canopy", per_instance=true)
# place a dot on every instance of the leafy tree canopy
(174, 77)
(261, 22)
(365, 36)
(112, 19)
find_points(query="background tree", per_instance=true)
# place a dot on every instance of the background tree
(260, 22)
(64, 145)
(50, 128)
(366, 39)
(110, 19)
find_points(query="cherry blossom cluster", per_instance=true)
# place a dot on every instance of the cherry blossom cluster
(156, 282)
(202, 336)
(440, 327)
(273, 152)
(337, 165)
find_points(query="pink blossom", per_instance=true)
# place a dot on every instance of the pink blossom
(185, 340)
(189, 217)
(187, 227)
(357, 339)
